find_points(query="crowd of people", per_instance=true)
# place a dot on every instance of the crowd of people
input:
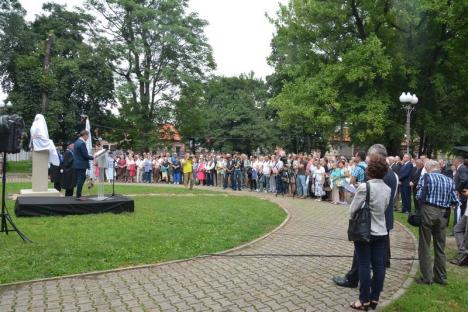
(429, 187)
(298, 175)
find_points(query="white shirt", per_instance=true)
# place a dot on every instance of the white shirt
(266, 168)
(312, 170)
(319, 174)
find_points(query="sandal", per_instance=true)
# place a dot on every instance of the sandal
(373, 304)
(358, 305)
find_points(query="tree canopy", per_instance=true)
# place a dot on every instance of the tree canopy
(346, 62)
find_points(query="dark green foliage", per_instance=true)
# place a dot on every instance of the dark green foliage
(79, 80)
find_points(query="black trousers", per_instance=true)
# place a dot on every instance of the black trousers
(80, 180)
(69, 192)
(353, 274)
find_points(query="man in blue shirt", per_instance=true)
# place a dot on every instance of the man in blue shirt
(439, 195)
(359, 172)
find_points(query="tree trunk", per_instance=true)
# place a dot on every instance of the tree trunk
(45, 95)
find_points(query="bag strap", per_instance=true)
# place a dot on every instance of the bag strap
(367, 193)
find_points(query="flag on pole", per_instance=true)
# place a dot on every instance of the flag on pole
(89, 146)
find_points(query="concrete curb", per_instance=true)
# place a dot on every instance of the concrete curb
(145, 266)
(411, 275)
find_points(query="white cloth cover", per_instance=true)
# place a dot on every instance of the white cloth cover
(89, 146)
(40, 139)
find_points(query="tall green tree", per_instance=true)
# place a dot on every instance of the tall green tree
(228, 114)
(78, 81)
(156, 48)
(343, 63)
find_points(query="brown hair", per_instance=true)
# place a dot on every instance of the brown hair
(377, 167)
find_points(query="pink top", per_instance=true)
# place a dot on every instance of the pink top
(201, 171)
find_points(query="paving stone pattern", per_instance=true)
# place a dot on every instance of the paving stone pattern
(283, 272)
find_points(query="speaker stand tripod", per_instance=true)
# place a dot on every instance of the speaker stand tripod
(5, 217)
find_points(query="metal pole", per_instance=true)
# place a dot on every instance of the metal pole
(408, 128)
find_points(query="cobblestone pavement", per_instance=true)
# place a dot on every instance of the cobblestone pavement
(289, 270)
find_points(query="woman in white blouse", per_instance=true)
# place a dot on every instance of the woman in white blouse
(319, 177)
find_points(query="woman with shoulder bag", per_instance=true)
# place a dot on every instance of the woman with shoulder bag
(371, 252)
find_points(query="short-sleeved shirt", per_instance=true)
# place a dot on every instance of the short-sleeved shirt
(359, 172)
(187, 166)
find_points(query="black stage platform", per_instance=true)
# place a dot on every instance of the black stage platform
(61, 206)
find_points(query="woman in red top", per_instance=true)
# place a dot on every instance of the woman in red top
(121, 168)
(131, 168)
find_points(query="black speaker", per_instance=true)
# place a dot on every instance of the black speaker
(11, 133)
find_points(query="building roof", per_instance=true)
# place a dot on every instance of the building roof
(168, 132)
(336, 137)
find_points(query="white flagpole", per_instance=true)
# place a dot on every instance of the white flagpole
(89, 146)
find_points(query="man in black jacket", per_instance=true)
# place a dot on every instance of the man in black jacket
(81, 161)
(68, 180)
(460, 179)
(55, 173)
(404, 175)
(445, 169)
(461, 235)
(414, 180)
(395, 165)
(351, 279)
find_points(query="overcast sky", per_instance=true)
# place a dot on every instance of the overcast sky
(238, 31)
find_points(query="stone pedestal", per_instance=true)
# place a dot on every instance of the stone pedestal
(40, 179)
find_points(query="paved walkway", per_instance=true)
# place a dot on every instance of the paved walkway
(289, 270)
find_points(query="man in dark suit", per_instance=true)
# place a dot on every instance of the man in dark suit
(445, 169)
(395, 165)
(461, 234)
(68, 180)
(460, 179)
(405, 176)
(81, 161)
(414, 180)
(55, 173)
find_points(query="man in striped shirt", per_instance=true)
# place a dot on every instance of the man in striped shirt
(439, 196)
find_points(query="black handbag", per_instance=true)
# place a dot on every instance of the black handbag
(359, 228)
(415, 218)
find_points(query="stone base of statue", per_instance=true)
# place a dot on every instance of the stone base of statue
(40, 176)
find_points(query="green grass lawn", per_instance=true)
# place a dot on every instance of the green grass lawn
(15, 188)
(168, 228)
(453, 297)
(19, 166)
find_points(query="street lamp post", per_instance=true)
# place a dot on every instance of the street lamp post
(409, 104)
(5, 107)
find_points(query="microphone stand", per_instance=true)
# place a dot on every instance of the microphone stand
(5, 216)
(114, 177)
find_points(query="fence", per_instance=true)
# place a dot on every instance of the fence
(22, 155)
